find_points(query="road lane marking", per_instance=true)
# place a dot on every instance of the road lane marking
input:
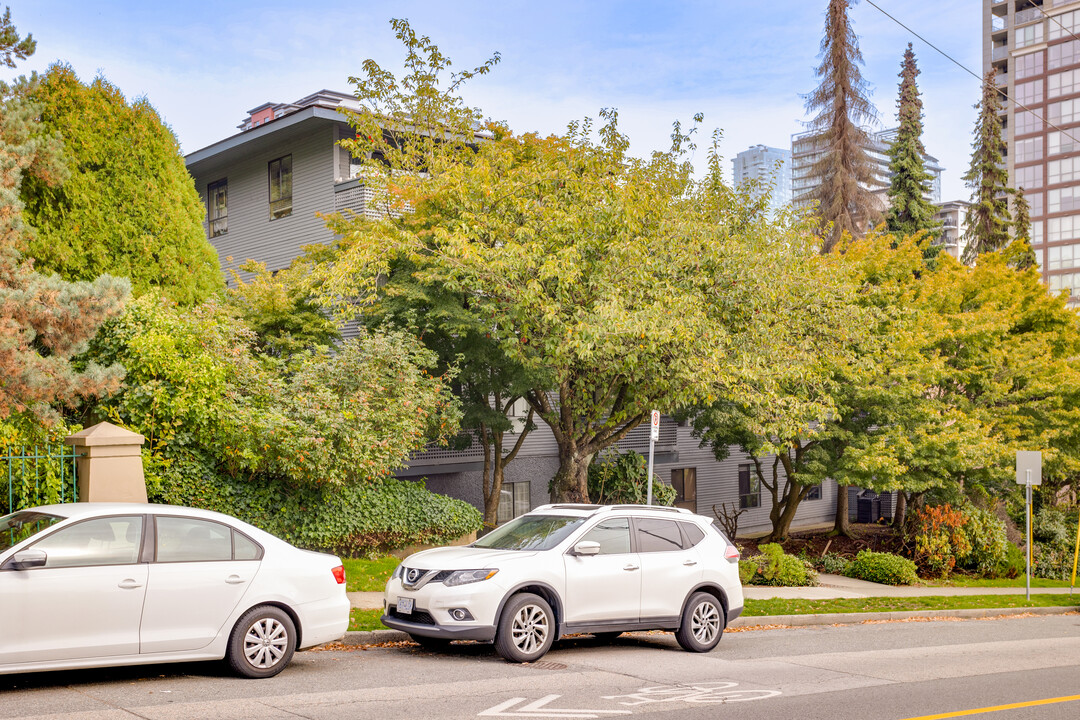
(709, 692)
(538, 708)
(996, 708)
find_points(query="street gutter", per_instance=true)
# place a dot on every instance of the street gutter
(376, 637)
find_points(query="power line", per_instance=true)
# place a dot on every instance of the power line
(975, 75)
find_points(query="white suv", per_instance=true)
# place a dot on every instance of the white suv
(572, 569)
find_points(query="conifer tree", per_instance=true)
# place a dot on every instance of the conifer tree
(987, 226)
(12, 47)
(44, 321)
(909, 210)
(1022, 256)
(842, 108)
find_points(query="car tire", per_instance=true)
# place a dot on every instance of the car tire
(430, 643)
(526, 629)
(262, 642)
(702, 624)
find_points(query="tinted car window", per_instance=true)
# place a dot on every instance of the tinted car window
(693, 533)
(101, 541)
(657, 535)
(613, 534)
(182, 539)
(18, 526)
(530, 532)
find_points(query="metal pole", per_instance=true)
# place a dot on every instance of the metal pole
(1027, 576)
(648, 501)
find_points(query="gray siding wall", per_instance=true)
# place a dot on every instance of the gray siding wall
(252, 234)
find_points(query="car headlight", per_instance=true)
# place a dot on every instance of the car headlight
(397, 571)
(464, 577)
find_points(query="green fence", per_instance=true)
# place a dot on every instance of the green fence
(38, 475)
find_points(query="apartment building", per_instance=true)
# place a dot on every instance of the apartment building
(769, 169)
(808, 147)
(1034, 45)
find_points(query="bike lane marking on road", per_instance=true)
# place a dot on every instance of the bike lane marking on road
(706, 692)
(996, 708)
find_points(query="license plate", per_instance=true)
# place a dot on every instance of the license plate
(405, 605)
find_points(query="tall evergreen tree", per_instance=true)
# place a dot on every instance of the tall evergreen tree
(1022, 256)
(987, 226)
(842, 108)
(12, 47)
(909, 210)
(44, 321)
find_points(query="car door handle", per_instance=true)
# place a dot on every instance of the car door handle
(690, 563)
(234, 580)
(630, 567)
(130, 584)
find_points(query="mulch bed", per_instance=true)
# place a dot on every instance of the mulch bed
(879, 538)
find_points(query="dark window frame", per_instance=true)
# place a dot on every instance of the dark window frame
(217, 224)
(749, 487)
(280, 207)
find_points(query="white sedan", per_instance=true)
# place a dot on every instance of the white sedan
(99, 584)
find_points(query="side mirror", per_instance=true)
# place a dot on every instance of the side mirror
(26, 559)
(587, 547)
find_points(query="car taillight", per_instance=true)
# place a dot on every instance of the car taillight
(731, 554)
(339, 574)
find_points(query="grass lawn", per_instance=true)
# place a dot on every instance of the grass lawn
(965, 581)
(365, 620)
(777, 606)
(368, 575)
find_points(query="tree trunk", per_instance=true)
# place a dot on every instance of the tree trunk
(900, 514)
(842, 526)
(571, 481)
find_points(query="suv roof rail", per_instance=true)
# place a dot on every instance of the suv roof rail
(663, 508)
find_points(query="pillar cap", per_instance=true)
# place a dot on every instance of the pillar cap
(104, 433)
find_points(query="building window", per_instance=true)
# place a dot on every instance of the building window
(1063, 228)
(1064, 24)
(1030, 35)
(1035, 204)
(1065, 112)
(513, 501)
(1063, 171)
(1067, 53)
(217, 199)
(1065, 83)
(814, 493)
(684, 480)
(1059, 143)
(1029, 93)
(749, 487)
(1027, 122)
(1063, 200)
(1029, 65)
(1037, 232)
(1029, 177)
(1029, 150)
(281, 187)
(1063, 258)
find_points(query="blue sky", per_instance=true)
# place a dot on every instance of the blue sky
(743, 63)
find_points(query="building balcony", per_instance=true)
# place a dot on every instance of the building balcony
(1027, 16)
(1000, 53)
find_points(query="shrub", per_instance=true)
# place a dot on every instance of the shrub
(940, 538)
(774, 567)
(987, 539)
(833, 563)
(1054, 534)
(747, 569)
(1013, 565)
(624, 479)
(883, 567)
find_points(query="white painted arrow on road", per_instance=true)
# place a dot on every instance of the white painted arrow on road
(537, 709)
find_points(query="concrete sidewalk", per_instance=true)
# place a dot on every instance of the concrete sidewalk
(831, 586)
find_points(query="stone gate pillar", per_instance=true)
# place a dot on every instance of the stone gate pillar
(109, 466)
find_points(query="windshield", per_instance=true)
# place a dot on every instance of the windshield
(18, 526)
(530, 532)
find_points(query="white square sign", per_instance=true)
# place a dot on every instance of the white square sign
(1028, 460)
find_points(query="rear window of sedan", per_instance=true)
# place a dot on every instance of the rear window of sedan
(531, 532)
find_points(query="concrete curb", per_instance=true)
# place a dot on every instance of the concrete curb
(374, 637)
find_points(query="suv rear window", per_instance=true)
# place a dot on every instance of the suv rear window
(530, 532)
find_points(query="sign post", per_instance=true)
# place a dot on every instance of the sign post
(1028, 473)
(654, 435)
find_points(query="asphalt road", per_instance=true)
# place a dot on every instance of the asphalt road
(892, 671)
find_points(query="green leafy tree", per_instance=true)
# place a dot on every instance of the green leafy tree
(44, 321)
(285, 318)
(617, 284)
(126, 205)
(842, 107)
(987, 225)
(909, 210)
